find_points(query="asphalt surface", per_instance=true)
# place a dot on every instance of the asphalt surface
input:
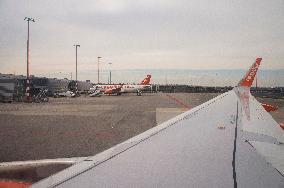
(84, 126)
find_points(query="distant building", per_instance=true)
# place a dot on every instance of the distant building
(37, 83)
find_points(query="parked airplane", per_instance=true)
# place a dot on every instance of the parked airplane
(123, 88)
(228, 141)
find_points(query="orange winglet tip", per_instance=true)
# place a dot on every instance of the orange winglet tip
(269, 108)
(249, 77)
(281, 125)
(14, 184)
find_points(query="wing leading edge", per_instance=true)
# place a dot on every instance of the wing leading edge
(207, 146)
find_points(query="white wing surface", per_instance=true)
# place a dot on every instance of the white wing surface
(211, 145)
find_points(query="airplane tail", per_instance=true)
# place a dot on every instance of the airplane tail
(247, 80)
(146, 80)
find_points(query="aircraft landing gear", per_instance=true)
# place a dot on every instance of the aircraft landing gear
(138, 93)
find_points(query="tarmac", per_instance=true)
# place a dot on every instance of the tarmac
(85, 126)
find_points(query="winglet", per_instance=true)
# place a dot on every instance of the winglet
(249, 77)
(281, 125)
(269, 107)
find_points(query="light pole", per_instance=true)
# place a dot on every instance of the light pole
(110, 72)
(76, 46)
(99, 69)
(27, 91)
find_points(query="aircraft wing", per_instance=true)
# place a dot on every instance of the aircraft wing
(229, 141)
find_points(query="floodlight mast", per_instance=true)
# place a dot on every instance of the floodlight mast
(76, 46)
(27, 90)
(99, 69)
(110, 72)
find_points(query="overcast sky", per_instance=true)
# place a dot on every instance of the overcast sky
(141, 34)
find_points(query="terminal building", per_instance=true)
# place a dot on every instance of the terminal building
(12, 87)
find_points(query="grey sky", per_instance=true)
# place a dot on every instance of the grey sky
(134, 34)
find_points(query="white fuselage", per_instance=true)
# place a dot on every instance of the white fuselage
(127, 88)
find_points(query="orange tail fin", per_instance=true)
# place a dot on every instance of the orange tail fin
(146, 80)
(249, 77)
